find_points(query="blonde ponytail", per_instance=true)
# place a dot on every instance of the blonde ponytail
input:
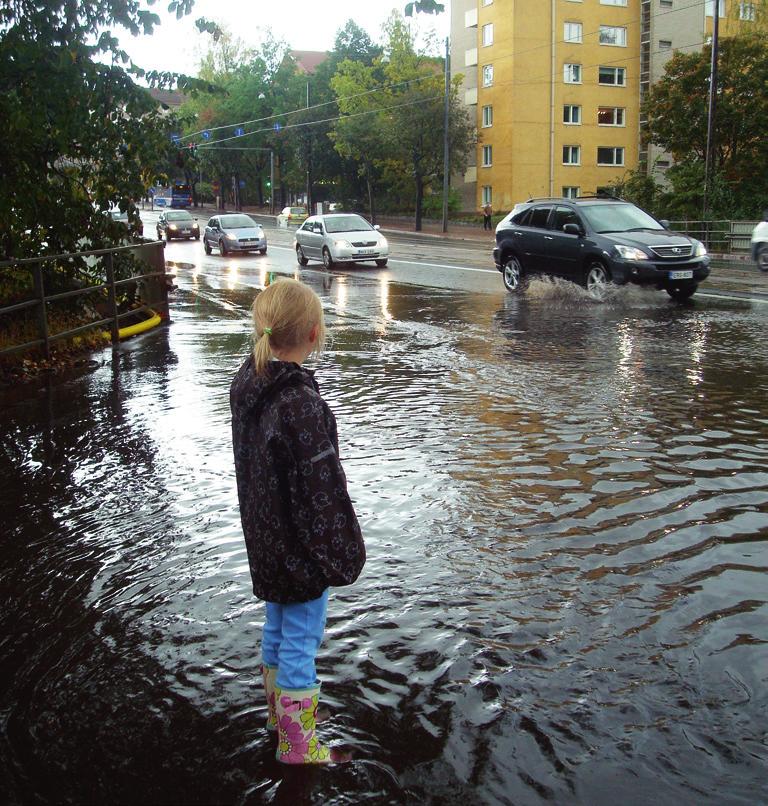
(284, 314)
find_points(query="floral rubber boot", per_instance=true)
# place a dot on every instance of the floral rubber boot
(296, 729)
(270, 676)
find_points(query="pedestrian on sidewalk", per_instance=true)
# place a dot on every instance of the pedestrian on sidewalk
(300, 528)
(487, 210)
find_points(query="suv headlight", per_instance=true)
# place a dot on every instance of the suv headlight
(630, 253)
(172, 226)
(700, 250)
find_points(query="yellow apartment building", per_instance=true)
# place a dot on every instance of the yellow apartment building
(555, 88)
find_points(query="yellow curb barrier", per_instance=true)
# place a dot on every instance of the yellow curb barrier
(139, 327)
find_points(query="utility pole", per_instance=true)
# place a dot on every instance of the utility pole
(446, 118)
(309, 161)
(709, 156)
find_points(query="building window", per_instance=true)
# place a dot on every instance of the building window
(487, 116)
(747, 11)
(487, 75)
(572, 73)
(487, 194)
(665, 44)
(662, 163)
(571, 155)
(570, 192)
(571, 114)
(487, 34)
(572, 32)
(613, 2)
(665, 3)
(610, 156)
(709, 8)
(487, 156)
(617, 76)
(613, 35)
(610, 116)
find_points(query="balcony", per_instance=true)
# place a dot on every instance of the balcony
(470, 57)
(470, 18)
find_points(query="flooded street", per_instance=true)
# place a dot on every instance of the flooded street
(565, 505)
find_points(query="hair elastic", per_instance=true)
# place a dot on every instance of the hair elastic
(268, 331)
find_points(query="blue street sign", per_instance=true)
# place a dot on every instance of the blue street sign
(242, 183)
(277, 127)
(239, 131)
(206, 135)
(176, 138)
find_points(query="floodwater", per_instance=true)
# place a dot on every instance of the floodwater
(565, 505)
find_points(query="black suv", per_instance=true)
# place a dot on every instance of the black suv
(596, 240)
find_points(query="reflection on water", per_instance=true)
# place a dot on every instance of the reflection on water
(566, 508)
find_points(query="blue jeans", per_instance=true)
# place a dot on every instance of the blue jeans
(292, 635)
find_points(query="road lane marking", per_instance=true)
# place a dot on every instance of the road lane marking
(412, 263)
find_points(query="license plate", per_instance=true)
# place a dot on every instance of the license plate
(686, 274)
(366, 252)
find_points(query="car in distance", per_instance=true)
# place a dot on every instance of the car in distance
(135, 227)
(291, 216)
(759, 243)
(177, 224)
(340, 238)
(595, 241)
(234, 232)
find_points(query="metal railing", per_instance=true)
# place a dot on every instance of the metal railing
(728, 237)
(152, 253)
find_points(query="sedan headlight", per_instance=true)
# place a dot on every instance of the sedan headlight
(172, 226)
(700, 250)
(630, 253)
(383, 243)
(342, 244)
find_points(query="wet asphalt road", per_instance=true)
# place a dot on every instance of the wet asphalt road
(565, 505)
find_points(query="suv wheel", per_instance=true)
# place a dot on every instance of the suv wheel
(762, 257)
(597, 279)
(512, 274)
(682, 291)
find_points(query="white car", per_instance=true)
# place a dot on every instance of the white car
(760, 244)
(234, 232)
(340, 238)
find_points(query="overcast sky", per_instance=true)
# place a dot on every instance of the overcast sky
(303, 24)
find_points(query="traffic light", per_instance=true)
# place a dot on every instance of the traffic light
(269, 184)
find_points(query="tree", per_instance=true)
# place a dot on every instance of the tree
(676, 108)
(402, 122)
(79, 135)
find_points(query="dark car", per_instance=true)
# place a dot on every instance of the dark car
(177, 224)
(595, 241)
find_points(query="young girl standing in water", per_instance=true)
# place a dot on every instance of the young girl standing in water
(300, 527)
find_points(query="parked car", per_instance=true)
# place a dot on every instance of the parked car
(177, 224)
(594, 241)
(759, 243)
(340, 238)
(291, 216)
(234, 232)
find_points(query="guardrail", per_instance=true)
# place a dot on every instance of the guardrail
(728, 237)
(151, 253)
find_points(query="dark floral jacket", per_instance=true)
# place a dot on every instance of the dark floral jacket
(300, 527)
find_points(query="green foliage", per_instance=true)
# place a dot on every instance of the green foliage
(424, 7)
(392, 123)
(79, 135)
(677, 107)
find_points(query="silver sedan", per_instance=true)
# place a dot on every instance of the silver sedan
(340, 238)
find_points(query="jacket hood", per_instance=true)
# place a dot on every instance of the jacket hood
(251, 392)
